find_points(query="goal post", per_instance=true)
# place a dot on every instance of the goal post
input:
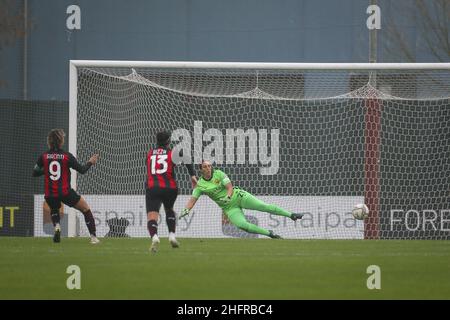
(316, 138)
(73, 92)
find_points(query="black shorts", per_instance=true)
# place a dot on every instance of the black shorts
(70, 200)
(155, 196)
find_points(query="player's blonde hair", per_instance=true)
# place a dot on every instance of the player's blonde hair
(55, 138)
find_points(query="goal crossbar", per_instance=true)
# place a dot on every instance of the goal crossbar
(260, 65)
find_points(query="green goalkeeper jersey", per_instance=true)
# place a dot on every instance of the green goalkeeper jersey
(215, 189)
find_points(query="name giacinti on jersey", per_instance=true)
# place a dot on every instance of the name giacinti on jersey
(55, 156)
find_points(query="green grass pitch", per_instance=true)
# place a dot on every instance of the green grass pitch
(35, 268)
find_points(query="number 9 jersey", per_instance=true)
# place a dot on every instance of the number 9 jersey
(55, 165)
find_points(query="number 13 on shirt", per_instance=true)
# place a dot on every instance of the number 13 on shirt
(160, 160)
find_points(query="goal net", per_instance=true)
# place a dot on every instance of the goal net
(311, 138)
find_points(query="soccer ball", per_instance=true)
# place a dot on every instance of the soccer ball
(360, 211)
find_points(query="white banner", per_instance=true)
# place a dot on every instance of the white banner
(325, 218)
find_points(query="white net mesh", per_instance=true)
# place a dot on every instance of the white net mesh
(315, 142)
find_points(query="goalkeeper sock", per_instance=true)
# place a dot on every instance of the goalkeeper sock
(237, 217)
(252, 228)
(55, 217)
(152, 227)
(170, 220)
(90, 222)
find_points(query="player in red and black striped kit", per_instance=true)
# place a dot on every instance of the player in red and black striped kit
(161, 187)
(55, 165)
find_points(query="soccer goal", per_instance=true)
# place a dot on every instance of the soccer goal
(311, 138)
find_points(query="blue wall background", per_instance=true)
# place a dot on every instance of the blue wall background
(192, 30)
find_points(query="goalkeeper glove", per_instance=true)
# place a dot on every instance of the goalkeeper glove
(185, 212)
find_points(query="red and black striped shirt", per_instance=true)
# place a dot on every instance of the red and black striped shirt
(55, 165)
(160, 166)
(160, 169)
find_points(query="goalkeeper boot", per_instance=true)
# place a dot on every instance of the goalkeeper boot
(57, 235)
(296, 216)
(155, 244)
(273, 235)
(173, 241)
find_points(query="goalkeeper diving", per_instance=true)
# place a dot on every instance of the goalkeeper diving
(232, 200)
